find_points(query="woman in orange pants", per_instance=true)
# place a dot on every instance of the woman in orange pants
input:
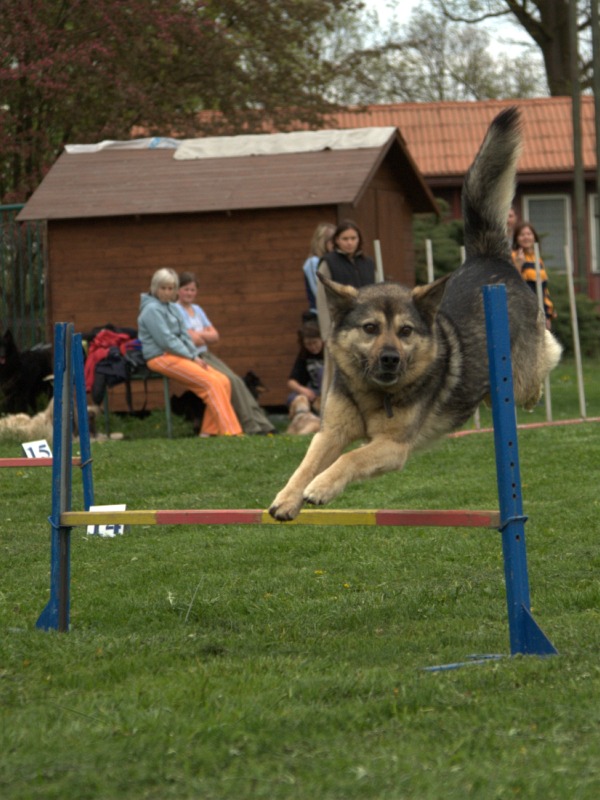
(169, 350)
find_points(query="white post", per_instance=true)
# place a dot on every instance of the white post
(429, 253)
(540, 297)
(378, 262)
(476, 415)
(575, 329)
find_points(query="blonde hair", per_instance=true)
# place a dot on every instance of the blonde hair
(163, 275)
(323, 233)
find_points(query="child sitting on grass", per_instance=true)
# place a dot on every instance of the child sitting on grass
(307, 372)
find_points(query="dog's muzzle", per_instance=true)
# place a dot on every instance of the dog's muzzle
(388, 367)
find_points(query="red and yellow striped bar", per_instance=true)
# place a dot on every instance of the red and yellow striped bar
(45, 461)
(444, 519)
(249, 516)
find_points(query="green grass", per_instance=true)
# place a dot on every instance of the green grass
(286, 662)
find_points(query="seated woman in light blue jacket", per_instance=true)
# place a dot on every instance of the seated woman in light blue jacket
(169, 350)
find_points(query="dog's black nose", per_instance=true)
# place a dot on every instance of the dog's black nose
(389, 360)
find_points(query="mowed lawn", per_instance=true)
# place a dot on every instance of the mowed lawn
(288, 662)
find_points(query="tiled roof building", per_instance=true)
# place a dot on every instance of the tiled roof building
(444, 137)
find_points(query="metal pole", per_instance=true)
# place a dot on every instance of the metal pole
(540, 296)
(596, 87)
(578, 178)
(525, 635)
(575, 329)
(56, 613)
(379, 278)
(429, 255)
(84, 428)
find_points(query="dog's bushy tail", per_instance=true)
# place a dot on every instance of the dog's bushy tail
(490, 186)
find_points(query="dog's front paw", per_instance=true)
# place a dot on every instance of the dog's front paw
(321, 491)
(286, 506)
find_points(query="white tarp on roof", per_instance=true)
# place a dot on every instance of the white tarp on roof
(265, 144)
(150, 143)
(260, 144)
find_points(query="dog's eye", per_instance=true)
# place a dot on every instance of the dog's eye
(405, 331)
(371, 328)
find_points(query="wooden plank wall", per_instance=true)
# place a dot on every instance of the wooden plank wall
(249, 265)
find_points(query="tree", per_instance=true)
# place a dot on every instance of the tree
(76, 71)
(431, 59)
(545, 21)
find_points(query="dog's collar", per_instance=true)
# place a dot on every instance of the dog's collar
(387, 404)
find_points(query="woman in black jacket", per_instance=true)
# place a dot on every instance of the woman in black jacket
(347, 264)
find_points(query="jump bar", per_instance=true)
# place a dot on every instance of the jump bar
(45, 461)
(249, 516)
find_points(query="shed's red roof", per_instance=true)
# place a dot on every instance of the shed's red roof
(444, 137)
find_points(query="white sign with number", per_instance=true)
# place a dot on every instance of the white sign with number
(39, 449)
(107, 531)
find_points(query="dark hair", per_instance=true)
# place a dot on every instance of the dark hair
(517, 233)
(187, 277)
(309, 330)
(346, 225)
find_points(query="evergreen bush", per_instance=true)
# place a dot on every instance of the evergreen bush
(446, 236)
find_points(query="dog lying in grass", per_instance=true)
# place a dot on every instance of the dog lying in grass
(24, 428)
(412, 365)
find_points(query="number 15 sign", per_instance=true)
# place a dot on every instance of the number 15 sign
(39, 449)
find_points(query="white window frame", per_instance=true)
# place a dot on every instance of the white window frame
(567, 222)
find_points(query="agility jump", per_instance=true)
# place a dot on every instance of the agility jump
(252, 516)
(525, 635)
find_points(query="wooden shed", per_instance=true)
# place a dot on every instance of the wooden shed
(239, 212)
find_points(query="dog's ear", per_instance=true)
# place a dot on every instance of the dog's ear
(428, 298)
(340, 298)
(9, 339)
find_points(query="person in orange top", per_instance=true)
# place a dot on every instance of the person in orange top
(169, 350)
(523, 256)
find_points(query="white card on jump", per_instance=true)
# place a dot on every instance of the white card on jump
(107, 531)
(39, 449)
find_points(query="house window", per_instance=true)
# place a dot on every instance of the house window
(550, 214)
(595, 229)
